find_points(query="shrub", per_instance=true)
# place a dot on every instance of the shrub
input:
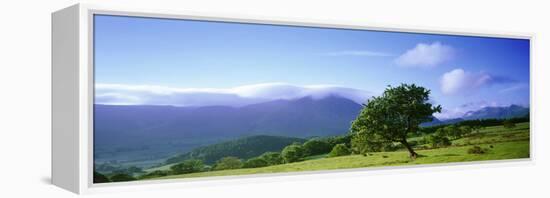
(477, 150)
(228, 163)
(255, 162)
(272, 158)
(339, 150)
(334, 140)
(316, 147)
(453, 131)
(120, 177)
(438, 139)
(466, 130)
(292, 153)
(187, 166)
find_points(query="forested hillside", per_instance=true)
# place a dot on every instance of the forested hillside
(243, 148)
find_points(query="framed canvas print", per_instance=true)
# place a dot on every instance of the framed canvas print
(143, 97)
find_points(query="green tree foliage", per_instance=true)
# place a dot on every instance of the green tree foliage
(244, 148)
(120, 177)
(364, 143)
(396, 113)
(508, 124)
(316, 147)
(439, 139)
(255, 163)
(187, 166)
(100, 178)
(466, 130)
(477, 124)
(228, 163)
(453, 131)
(476, 128)
(292, 153)
(334, 140)
(272, 158)
(339, 150)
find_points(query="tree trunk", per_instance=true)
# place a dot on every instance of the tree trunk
(412, 154)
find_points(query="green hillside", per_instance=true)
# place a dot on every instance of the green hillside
(498, 143)
(243, 148)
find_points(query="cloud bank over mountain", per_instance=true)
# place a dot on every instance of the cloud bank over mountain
(119, 94)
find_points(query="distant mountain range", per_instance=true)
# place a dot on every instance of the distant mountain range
(122, 131)
(497, 112)
(512, 111)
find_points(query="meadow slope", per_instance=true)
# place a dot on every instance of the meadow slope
(500, 144)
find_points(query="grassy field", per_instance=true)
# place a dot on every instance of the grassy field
(499, 143)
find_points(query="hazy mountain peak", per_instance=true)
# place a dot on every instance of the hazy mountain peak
(497, 112)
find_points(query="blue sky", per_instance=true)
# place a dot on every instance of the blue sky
(138, 58)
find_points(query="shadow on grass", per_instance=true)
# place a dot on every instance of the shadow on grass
(418, 155)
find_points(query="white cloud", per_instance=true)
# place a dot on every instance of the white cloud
(426, 55)
(359, 53)
(460, 81)
(236, 96)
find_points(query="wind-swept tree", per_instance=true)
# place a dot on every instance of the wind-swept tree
(396, 113)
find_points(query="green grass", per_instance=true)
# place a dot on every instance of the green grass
(316, 157)
(499, 142)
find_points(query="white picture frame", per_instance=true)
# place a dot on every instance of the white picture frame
(72, 96)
